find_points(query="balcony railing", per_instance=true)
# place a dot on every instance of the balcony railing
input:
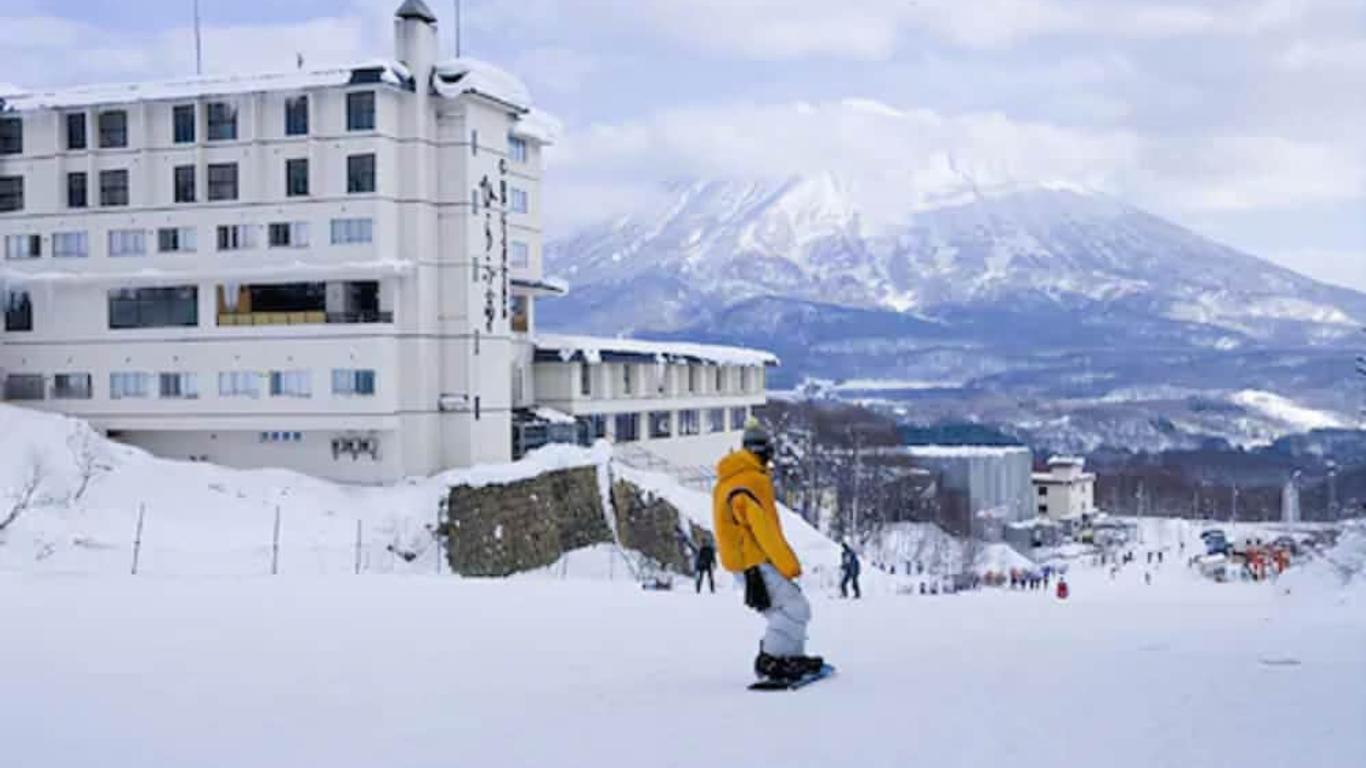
(311, 317)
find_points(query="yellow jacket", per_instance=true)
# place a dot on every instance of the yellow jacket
(745, 517)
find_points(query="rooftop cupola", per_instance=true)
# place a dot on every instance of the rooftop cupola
(415, 41)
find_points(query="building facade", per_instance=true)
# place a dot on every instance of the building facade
(1066, 490)
(332, 271)
(994, 482)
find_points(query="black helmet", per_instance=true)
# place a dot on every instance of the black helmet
(758, 441)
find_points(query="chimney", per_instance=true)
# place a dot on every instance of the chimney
(415, 41)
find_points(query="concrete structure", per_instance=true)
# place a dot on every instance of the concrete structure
(994, 481)
(1066, 490)
(333, 271)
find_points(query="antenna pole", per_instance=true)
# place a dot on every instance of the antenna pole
(457, 29)
(198, 47)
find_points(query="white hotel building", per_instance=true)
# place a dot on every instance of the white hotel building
(331, 271)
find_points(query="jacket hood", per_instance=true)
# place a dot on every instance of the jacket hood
(737, 462)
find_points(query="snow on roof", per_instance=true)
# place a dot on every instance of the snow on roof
(965, 451)
(455, 77)
(592, 349)
(209, 85)
(1075, 461)
(551, 416)
(538, 126)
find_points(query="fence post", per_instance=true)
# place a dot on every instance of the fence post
(137, 538)
(358, 539)
(275, 545)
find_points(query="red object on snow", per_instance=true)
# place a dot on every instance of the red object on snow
(1062, 589)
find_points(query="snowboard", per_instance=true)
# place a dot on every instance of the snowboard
(826, 670)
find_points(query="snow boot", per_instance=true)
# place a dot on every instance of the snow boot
(781, 668)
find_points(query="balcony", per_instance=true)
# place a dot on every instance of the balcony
(310, 317)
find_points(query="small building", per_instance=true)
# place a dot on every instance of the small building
(993, 481)
(1066, 490)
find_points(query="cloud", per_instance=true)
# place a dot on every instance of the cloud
(899, 159)
(555, 69)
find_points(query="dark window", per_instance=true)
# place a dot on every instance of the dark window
(18, 311)
(661, 424)
(113, 187)
(223, 181)
(222, 121)
(24, 386)
(360, 173)
(585, 379)
(11, 193)
(11, 135)
(296, 116)
(627, 427)
(184, 183)
(287, 234)
(77, 190)
(288, 297)
(296, 177)
(182, 124)
(360, 111)
(75, 130)
(154, 307)
(71, 386)
(113, 128)
(23, 246)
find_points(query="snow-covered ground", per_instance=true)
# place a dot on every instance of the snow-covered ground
(426, 671)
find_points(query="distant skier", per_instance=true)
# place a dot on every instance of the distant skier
(704, 564)
(849, 571)
(749, 540)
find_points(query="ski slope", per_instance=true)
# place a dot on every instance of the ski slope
(411, 670)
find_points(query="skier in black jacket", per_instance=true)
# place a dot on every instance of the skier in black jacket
(704, 564)
(849, 569)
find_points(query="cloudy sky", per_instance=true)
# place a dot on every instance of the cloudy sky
(1242, 119)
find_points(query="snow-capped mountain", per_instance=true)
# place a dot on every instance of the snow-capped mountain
(1036, 291)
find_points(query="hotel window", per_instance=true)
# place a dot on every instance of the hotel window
(222, 181)
(71, 386)
(296, 116)
(288, 234)
(127, 242)
(626, 383)
(75, 245)
(236, 237)
(75, 130)
(23, 246)
(716, 420)
(692, 378)
(113, 126)
(519, 313)
(690, 422)
(360, 111)
(738, 416)
(222, 121)
(296, 177)
(154, 307)
(184, 183)
(517, 149)
(661, 424)
(720, 379)
(113, 188)
(182, 124)
(519, 254)
(25, 386)
(18, 310)
(626, 427)
(178, 386)
(11, 135)
(239, 384)
(519, 200)
(353, 382)
(77, 190)
(11, 193)
(585, 379)
(350, 231)
(360, 173)
(176, 239)
(129, 384)
(291, 384)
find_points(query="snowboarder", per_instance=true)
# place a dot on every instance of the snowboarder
(704, 564)
(849, 570)
(749, 540)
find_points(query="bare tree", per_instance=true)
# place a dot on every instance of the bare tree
(22, 497)
(85, 455)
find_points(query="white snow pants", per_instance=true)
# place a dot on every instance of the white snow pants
(787, 615)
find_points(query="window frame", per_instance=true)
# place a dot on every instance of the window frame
(84, 389)
(67, 237)
(357, 174)
(291, 165)
(82, 200)
(361, 107)
(11, 138)
(114, 195)
(296, 115)
(180, 184)
(67, 124)
(18, 310)
(112, 127)
(219, 114)
(182, 132)
(216, 188)
(11, 194)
